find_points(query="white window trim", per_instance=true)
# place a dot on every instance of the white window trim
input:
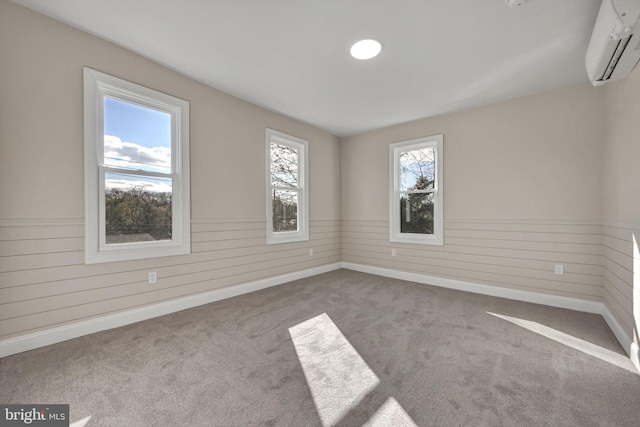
(394, 200)
(96, 86)
(303, 188)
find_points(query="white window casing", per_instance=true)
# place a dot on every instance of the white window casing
(97, 86)
(299, 187)
(396, 192)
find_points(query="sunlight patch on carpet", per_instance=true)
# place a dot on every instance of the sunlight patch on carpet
(391, 413)
(337, 376)
(81, 423)
(571, 341)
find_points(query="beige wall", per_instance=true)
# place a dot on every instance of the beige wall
(522, 184)
(531, 158)
(43, 280)
(621, 202)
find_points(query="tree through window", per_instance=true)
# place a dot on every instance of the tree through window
(417, 185)
(284, 182)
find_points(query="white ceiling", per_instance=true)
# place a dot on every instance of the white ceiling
(293, 56)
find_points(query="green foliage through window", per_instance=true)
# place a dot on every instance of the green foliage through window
(285, 211)
(137, 215)
(416, 213)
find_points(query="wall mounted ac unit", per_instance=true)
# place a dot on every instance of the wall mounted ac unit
(614, 49)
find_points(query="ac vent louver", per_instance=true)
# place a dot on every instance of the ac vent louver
(614, 48)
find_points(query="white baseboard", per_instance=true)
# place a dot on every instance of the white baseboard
(625, 341)
(534, 297)
(496, 291)
(74, 330)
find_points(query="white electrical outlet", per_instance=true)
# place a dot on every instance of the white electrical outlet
(393, 252)
(153, 277)
(559, 269)
(310, 251)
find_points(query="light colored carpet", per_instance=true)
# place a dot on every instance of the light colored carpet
(341, 348)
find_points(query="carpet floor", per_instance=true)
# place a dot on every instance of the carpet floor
(342, 348)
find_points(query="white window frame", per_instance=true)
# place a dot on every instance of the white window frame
(302, 146)
(395, 150)
(97, 85)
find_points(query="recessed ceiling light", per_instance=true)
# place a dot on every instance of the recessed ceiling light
(366, 49)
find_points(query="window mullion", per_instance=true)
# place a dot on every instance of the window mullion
(273, 187)
(111, 169)
(417, 191)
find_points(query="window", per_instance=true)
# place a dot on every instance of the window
(136, 155)
(287, 183)
(415, 191)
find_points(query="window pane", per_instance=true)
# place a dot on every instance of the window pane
(417, 169)
(137, 208)
(284, 166)
(285, 210)
(135, 137)
(416, 213)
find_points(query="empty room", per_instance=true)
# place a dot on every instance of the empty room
(319, 213)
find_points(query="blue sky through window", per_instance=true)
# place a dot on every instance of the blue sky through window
(140, 125)
(139, 139)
